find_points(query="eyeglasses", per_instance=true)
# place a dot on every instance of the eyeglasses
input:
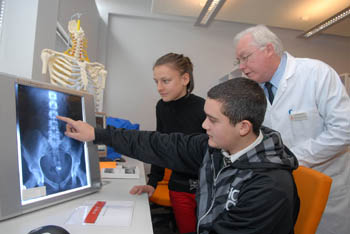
(244, 59)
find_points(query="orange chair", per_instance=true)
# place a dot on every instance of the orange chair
(161, 199)
(313, 189)
(161, 194)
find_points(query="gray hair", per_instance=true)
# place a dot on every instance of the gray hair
(261, 37)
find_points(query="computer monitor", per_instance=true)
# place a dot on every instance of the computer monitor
(39, 165)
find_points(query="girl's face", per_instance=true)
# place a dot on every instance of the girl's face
(171, 84)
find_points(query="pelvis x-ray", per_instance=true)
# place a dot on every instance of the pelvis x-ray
(48, 157)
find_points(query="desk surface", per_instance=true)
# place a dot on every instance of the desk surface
(113, 189)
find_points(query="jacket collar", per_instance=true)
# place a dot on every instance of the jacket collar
(288, 73)
(234, 157)
(270, 153)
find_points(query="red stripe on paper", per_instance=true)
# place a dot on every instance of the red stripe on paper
(94, 212)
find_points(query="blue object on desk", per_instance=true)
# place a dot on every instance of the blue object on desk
(118, 123)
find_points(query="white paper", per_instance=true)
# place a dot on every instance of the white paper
(121, 172)
(32, 193)
(114, 213)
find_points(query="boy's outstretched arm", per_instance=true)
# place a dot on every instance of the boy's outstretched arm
(78, 130)
(176, 151)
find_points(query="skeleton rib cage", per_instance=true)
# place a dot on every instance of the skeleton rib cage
(72, 69)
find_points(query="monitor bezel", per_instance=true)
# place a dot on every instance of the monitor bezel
(10, 192)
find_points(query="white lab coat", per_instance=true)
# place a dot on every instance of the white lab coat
(312, 94)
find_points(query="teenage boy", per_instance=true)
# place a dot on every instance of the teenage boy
(245, 171)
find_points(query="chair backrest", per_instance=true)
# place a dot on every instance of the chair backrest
(161, 194)
(313, 189)
(166, 177)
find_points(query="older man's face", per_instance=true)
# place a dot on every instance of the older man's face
(253, 60)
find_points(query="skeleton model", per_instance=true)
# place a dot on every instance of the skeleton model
(72, 68)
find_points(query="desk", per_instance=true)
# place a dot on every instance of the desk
(112, 189)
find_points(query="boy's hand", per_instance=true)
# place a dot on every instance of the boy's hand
(78, 130)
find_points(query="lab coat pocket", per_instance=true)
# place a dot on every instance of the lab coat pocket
(306, 124)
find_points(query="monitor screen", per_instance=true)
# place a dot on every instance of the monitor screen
(58, 163)
(45, 166)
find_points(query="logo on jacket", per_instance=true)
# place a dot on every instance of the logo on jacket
(193, 184)
(232, 198)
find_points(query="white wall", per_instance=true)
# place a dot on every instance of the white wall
(17, 39)
(30, 26)
(90, 21)
(45, 35)
(135, 42)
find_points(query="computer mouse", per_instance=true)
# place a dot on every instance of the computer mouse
(49, 229)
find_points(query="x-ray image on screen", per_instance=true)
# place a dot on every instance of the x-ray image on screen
(50, 162)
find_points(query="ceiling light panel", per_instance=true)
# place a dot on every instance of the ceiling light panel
(327, 23)
(208, 13)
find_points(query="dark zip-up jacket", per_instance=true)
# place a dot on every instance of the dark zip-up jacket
(184, 115)
(255, 194)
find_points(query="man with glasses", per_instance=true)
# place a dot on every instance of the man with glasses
(309, 106)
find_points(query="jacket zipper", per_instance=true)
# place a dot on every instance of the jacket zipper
(213, 193)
